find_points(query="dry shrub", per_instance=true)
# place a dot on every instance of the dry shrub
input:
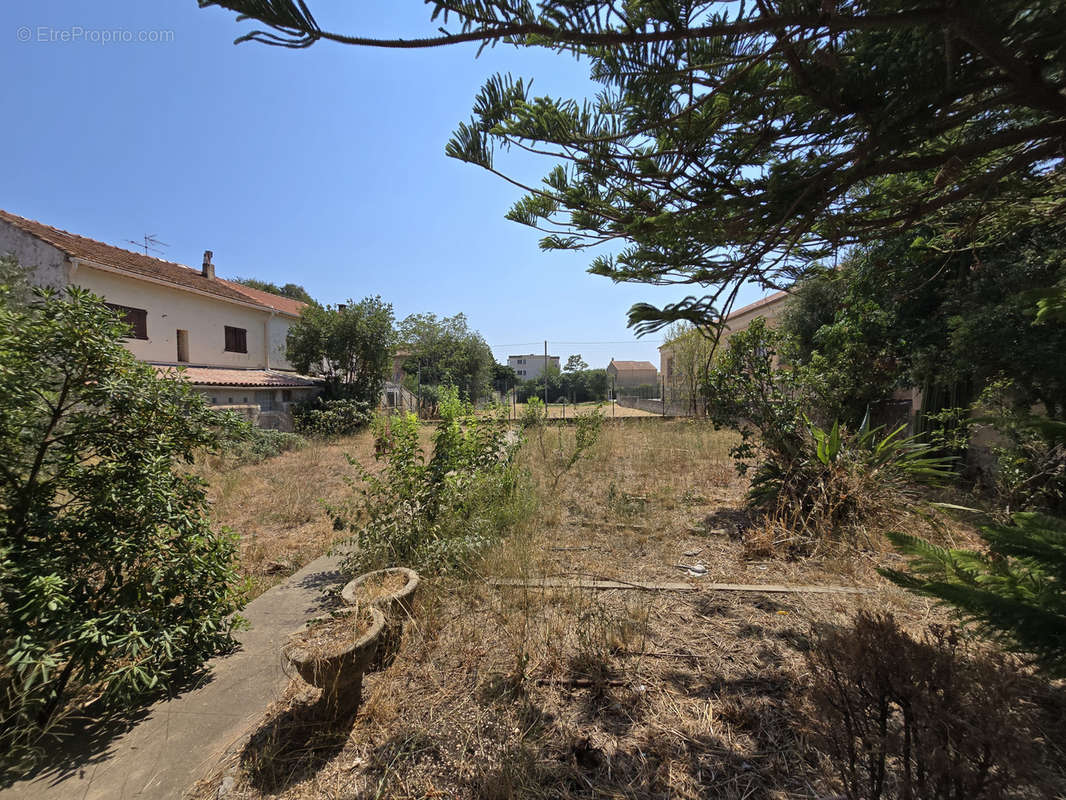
(931, 717)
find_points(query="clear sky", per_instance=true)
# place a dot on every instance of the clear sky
(323, 167)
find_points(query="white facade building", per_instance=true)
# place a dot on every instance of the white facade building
(532, 366)
(229, 339)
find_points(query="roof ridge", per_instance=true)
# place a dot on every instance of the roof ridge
(18, 218)
(132, 262)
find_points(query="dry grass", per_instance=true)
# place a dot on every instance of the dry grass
(276, 506)
(610, 410)
(504, 692)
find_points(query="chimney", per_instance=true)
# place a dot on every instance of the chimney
(342, 307)
(209, 269)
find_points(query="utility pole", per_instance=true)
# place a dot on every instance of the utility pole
(546, 413)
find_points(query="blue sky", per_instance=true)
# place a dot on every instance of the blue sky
(324, 166)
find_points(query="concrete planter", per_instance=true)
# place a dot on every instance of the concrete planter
(338, 670)
(396, 605)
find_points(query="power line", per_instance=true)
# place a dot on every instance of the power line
(551, 341)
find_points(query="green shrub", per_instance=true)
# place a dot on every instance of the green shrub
(330, 418)
(839, 481)
(817, 483)
(112, 580)
(245, 443)
(438, 513)
(929, 718)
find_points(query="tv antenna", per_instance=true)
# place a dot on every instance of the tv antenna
(150, 243)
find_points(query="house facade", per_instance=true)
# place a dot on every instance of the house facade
(529, 367)
(228, 339)
(686, 358)
(631, 374)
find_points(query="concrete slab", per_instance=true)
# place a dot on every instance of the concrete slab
(177, 740)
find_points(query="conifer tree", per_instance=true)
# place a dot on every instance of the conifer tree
(735, 142)
(1016, 592)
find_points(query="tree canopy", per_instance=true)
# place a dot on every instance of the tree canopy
(738, 142)
(445, 351)
(350, 346)
(901, 313)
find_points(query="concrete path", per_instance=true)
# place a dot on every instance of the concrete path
(178, 740)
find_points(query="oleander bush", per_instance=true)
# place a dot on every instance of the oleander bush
(113, 582)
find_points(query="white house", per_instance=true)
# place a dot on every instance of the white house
(228, 338)
(531, 366)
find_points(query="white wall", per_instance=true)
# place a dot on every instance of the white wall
(533, 366)
(48, 265)
(278, 332)
(170, 309)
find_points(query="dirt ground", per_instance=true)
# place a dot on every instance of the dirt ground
(610, 410)
(516, 691)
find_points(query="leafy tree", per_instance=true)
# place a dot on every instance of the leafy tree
(901, 312)
(736, 142)
(690, 352)
(112, 580)
(1016, 591)
(349, 346)
(291, 290)
(575, 363)
(447, 352)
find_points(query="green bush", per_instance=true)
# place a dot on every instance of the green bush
(330, 418)
(817, 483)
(245, 443)
(112, 581)
(839, 481)
(435, 514)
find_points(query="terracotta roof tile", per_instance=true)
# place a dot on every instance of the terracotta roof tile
(632, 365)
(221, 376)
(138, 264)
(286, 305)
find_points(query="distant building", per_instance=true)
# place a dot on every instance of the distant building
(630, 374)
(228, 338)
(530, 367)
(684, 360)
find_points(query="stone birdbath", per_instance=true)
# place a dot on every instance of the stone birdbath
(334, 655)
(393, 591)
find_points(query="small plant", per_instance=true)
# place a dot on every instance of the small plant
(558, 452)
(438, 513)
(926, 718)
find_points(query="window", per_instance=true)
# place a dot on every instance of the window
(183, 346)
(236, 340)
(136, 318)
(286, 395)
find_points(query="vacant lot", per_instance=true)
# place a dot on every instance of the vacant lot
(516, 691)
(277, 507)
(610, 410)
